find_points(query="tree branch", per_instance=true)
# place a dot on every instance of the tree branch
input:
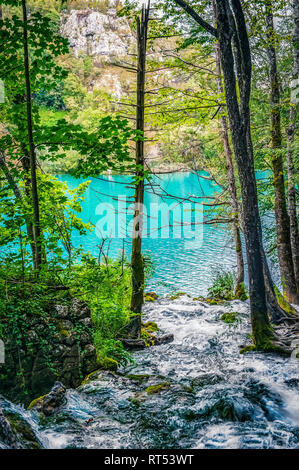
(188, 9)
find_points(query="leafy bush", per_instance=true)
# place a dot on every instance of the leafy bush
(106, 287)
(51, 99)
(223, 286)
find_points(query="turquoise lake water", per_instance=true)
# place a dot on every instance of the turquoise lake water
(187, 253)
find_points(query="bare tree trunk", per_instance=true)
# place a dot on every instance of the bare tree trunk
(290, 138)
(281, 214)
(239, 290)
(137, 262)
(32, 155)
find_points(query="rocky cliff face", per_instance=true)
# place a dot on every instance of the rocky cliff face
(107, 39)
(100, 35)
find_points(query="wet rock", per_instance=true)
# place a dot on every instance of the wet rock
(267, 399)
(168, 338)
(206, 379)
(6, 433)
(50, 403)
(230, 409)
(16, 430)
(293, 382)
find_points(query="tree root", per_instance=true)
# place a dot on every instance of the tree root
(282, 341)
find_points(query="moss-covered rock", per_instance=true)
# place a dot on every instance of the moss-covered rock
(51, 402)
(230, 317)
(151, 326)
(212, 301)
(151, 296)
(52, 345)
(157, 388)
(209, 300)
(177, 295)
(16, 432)
(107, 363)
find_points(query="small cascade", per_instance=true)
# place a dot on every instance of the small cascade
(195, 392)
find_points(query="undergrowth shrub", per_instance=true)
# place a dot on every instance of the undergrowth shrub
(223, 286)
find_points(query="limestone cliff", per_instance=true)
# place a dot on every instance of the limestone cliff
(100, 35)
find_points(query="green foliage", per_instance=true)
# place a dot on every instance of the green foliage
(106, 287)
(223, 286)
(59, 218)
(230, 317)
(100, 143)
(51, 99)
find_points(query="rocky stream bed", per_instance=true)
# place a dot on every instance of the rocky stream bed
(197, 391)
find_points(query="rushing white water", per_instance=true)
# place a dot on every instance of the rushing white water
(210, 395)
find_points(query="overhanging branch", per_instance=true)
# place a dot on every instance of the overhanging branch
(188, 9)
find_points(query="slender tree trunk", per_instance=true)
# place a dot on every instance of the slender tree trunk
(32, 155)
(291, 131)
(239, 290)
(137, 261)
(281, 214)
(18, 195)
(25, 162)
